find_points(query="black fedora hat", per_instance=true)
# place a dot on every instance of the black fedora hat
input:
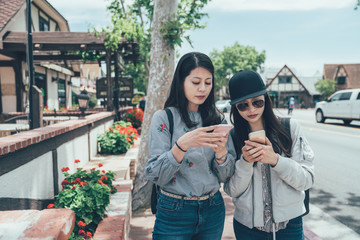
(245, 84)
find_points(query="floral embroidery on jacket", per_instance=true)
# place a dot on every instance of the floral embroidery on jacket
(190, 164)
(162, 128)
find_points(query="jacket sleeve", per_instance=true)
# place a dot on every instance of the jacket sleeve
(226, 170)
(297, 171)
(161, 166)
(241, 179)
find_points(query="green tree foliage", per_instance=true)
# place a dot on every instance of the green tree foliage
(235, 58)
(134, 21)
(325, 87)
(357, 5)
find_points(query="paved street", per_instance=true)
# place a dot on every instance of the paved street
(336, 194)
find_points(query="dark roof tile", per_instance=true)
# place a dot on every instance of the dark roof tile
(8, 9)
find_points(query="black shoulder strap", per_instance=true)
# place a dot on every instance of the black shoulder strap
(171, 122)
(235, 141)
(285, 121)
(233, 136)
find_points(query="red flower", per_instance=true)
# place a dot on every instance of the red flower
(99, 181)
(100, 165)
(65, 182)
(73, 188)
(93, 169)
(191, 164)
(104, 177)
(173, 179)
(77, 160)
(51, 205)
(81, 224)
(89, 234)
(103, 171)
(82, 233)
(128, 139)
(65, 169)
(82, 184)
(77, 180)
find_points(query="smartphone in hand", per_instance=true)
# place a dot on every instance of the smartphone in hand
(223, 128)
(258, 136)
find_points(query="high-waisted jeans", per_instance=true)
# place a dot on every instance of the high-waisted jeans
(178, 219)
(293, 231)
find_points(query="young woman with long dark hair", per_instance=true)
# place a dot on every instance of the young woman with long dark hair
(270, 177)
(189, 164)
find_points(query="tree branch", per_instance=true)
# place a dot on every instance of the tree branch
(123, 8)
(140, 14)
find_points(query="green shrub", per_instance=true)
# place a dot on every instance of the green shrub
(87, 194)
(117, 139)
(92, 102)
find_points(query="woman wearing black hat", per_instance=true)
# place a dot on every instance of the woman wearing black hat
(189, 163)
(270, 177)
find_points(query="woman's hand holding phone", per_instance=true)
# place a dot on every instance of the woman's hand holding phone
(254, 151)
(201, 137)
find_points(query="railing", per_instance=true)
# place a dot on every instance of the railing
(31, 161)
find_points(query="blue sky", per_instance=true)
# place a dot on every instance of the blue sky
(304, 34)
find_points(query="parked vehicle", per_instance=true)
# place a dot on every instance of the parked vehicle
(343, 105)
(223, 105)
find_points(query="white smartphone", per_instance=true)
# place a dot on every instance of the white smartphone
(258, 136)
(223, 128)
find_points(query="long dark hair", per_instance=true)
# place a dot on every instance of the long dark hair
(275, 131)
(209, 114)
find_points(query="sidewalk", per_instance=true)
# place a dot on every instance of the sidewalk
(141, 225)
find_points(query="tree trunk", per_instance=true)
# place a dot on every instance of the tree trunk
(162, 61)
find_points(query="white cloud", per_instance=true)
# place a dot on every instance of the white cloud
(83, 13)
(278, 5)
(79, 4)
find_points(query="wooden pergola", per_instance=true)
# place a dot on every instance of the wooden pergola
(62, 48)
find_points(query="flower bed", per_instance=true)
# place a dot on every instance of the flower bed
(118, 138)
(135, 116)
(87, 194)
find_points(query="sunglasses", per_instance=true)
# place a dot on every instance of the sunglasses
(245, 106)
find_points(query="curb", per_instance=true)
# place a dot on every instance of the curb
(310, 235)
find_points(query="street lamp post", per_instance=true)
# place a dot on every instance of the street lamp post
(83, 99)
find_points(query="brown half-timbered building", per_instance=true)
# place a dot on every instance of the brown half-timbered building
(347, 76)
(286, 84)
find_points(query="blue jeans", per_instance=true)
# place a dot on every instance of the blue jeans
(293, 231)
(178, 219)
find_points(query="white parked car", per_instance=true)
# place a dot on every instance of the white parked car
(343, 105)
(223, 105)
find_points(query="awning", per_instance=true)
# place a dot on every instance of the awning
(58, 68)
(273, 93)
